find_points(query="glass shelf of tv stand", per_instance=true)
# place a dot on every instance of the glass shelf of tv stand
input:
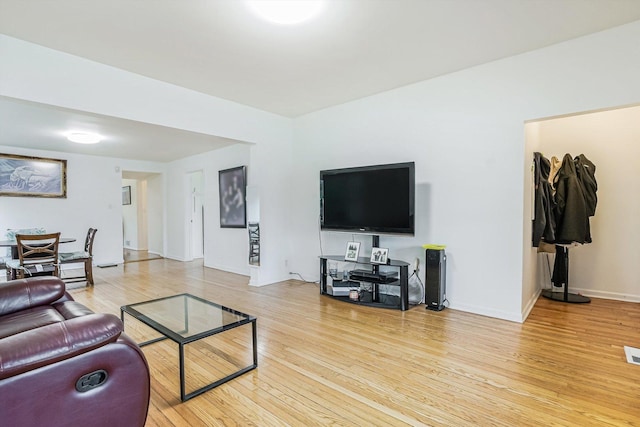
(373, 298)
(366, 261)
(382, 300)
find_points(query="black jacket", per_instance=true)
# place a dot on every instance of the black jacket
(572, 219)
(586, 172)
(544, 223)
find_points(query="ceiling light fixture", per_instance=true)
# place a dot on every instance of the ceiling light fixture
(84, 137)
(286, 12)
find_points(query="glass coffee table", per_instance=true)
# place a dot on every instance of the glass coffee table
(185, 319)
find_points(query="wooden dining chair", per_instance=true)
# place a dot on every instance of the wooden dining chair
(37, 255)
(85, 257)
(12, 253)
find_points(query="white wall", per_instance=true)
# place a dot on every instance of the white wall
(272, 175)
(155, 214)
(34, 73)
(465, 131)
(94, 199)
(143, 228)
(44, 75)
(608, 267)
(225, 248)
(532, 274)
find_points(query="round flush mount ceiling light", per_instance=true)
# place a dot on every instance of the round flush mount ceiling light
(286, 12)
(84, 137)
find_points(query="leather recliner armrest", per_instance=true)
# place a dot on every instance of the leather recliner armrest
(21, 294)
(58, 341)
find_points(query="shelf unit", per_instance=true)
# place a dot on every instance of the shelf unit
(374, 297)
(254, 243)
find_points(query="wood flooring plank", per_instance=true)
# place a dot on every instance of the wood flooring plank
(327, 362)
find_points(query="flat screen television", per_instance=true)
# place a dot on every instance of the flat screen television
(369, 199)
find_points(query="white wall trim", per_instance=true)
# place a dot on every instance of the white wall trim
(605, 295)
(483, 311)
(529, 305)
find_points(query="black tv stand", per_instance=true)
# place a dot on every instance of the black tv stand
(399, 276)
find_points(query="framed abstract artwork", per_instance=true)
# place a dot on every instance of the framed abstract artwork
(233, 206)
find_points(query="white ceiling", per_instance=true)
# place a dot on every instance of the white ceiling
(43, 127)
(355, 48)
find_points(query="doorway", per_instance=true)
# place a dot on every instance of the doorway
(142, 216)
(607, 267)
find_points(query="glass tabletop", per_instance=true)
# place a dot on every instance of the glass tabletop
(186, 317)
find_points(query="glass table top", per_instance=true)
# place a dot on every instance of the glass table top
(186, 317)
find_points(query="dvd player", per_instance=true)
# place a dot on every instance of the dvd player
(368, 274)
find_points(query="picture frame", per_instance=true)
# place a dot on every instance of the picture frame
(233, 197)
(126, 195)
(379, 255)
(26, 176)
(351, 253)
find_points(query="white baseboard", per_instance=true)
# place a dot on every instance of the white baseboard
(230, 269)
(530, 304)
(605, 295)
(498, 314)
(175, 258)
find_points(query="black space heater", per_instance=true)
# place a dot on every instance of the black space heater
(435, 272)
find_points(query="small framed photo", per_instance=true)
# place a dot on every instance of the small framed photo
(126, 195)
(352, 251)
(379, 255)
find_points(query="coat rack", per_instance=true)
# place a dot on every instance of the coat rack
(564, 296)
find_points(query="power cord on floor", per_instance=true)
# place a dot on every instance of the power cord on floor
(301, 278)
(417, 276)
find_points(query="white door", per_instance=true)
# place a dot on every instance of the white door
(196, 220)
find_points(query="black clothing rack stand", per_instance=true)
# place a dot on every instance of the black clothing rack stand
(564, 296)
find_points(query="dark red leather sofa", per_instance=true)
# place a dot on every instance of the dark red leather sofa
(63, 365)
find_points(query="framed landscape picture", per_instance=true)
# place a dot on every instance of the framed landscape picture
(352, 251)
(233, 207)
(24, 176)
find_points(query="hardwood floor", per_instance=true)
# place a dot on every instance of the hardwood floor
(326, 362)
(131, 255)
